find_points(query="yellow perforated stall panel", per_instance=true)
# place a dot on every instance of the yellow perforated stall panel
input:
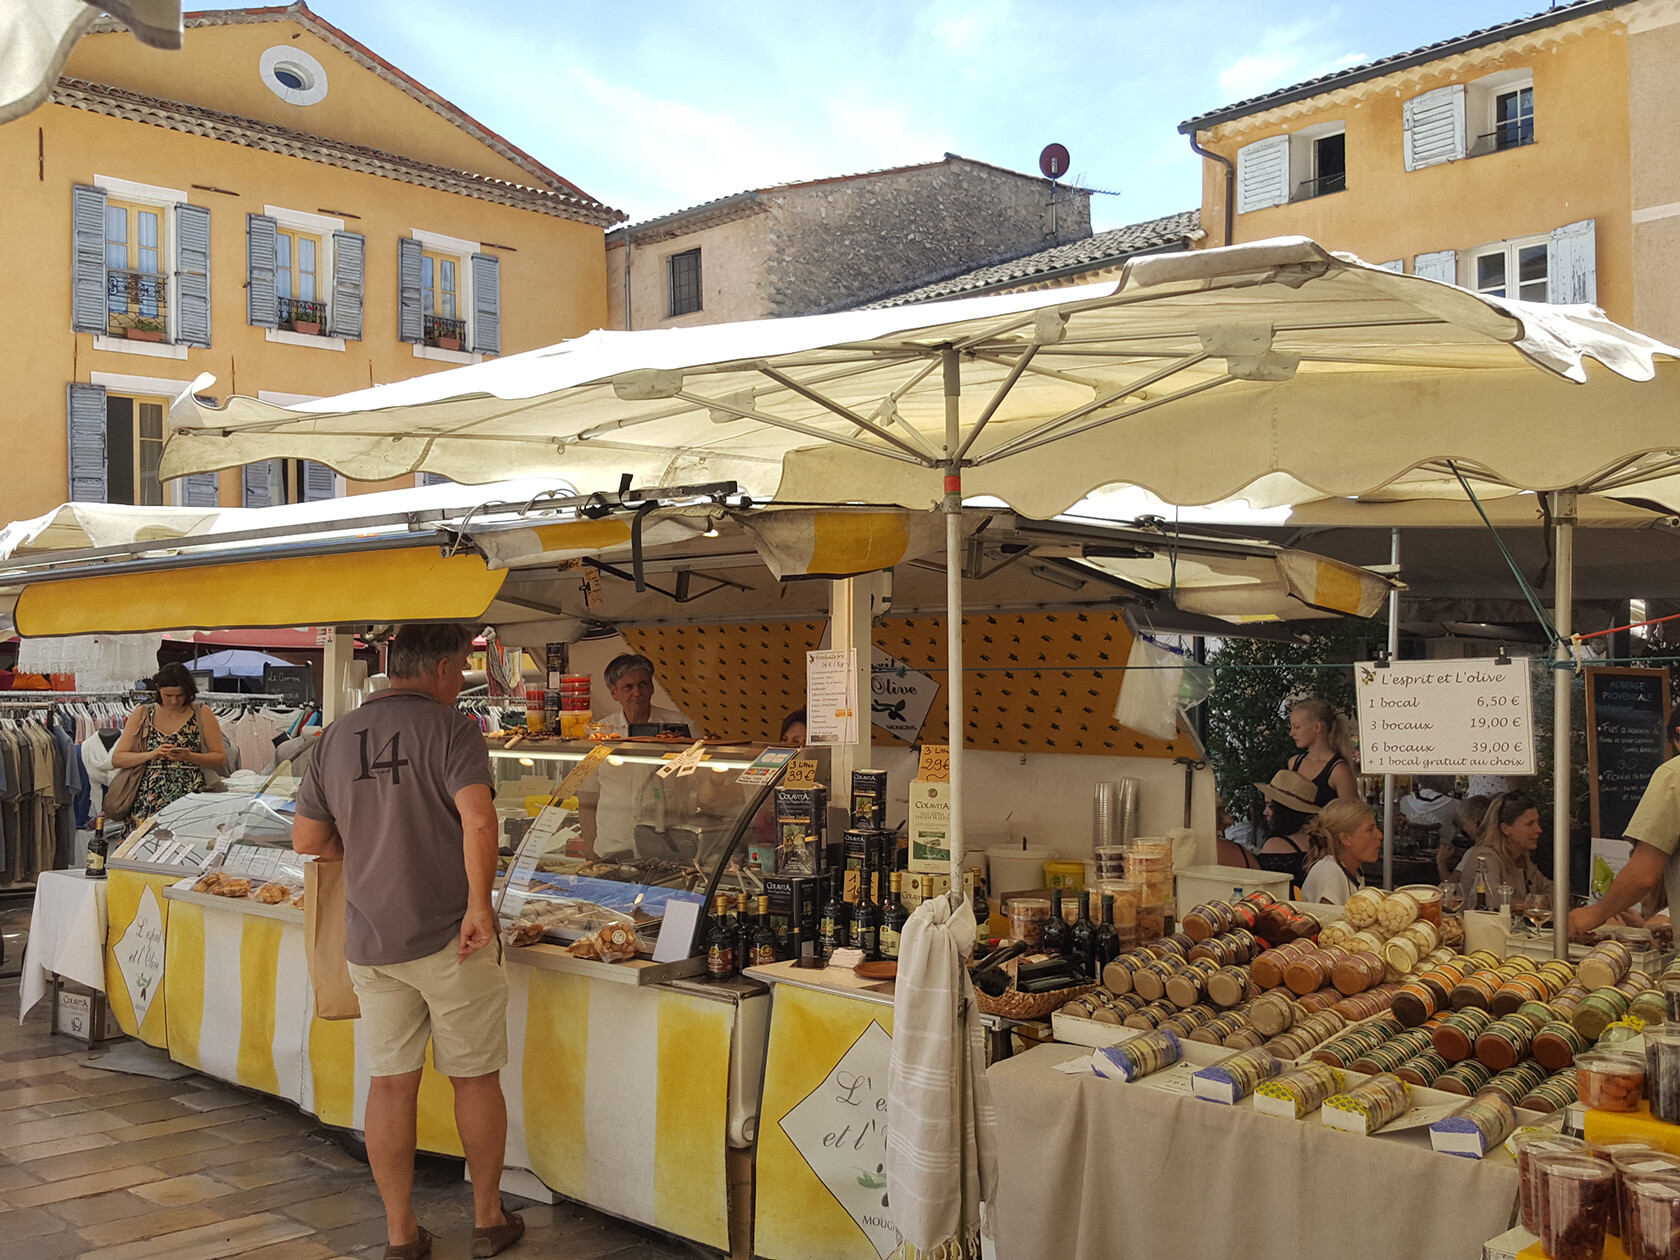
(1035, 682)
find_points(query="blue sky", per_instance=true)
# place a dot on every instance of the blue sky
(659, 105)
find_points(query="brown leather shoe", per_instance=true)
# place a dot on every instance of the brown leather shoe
(419, 1249)
(496, 1239)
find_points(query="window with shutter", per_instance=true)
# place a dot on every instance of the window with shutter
(262, 295)
(683, 282)
(319, 482)
(487, 304)
(1263, 174)
(349, 269)
(201, 490)
(85, 405)
(87, 293)
(256, 480)
(1434, 127)
(1572, 264)
(1442, 266)
(1399, 265)
(410, 320)
(192, 275)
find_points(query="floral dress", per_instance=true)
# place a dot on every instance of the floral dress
(167, 781)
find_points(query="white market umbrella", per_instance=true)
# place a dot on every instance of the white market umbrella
(38, 36)
(1277, 371)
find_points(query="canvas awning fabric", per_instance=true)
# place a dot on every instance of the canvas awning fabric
(1284, 585)
(1275, 370)
(37, 37)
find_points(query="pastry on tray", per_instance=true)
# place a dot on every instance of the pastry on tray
(272, 894)
(232, 886)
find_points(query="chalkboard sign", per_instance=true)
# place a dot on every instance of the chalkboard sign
(1626, 713)
(294, 683)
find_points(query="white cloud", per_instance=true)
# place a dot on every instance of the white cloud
(1285, 57)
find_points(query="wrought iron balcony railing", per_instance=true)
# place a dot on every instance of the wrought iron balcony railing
(440, 331)
(137, 305)
(295, 311)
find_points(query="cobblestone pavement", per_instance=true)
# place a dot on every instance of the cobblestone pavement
(120, 1167)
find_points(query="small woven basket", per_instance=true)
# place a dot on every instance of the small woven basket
(1013, 1004)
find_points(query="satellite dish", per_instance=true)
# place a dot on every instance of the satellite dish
(1054, 161)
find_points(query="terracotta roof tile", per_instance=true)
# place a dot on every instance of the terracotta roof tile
(254, 134)
(1398, 61)
(1092, 253)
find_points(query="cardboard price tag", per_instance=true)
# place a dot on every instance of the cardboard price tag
(581, 773)
(592, 597)
(801, 774)
(935, 765)
(684, 763)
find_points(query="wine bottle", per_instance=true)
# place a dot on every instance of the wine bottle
(1108, 937)
(763, 937)
(96, 850)
(720, 942)
(835, 930)
(893, 917)
(1083, 936)
(1481, 897)
(866, 917)
(1057, 937)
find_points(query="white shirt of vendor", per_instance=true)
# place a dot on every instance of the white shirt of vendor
(1327, 880)
(1656, 821)
(614, 720)
(627, 796)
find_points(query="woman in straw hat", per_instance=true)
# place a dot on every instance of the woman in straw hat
(1290, 806)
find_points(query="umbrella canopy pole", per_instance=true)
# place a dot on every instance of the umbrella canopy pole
(1563, 517)
(951, 504)
(1393, 653)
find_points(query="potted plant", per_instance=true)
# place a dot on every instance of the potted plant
(308, 327)
(144, 330)
(449, 343)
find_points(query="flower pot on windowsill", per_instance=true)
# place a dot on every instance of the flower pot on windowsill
(306, 327)
(449, 343)
(143, 334)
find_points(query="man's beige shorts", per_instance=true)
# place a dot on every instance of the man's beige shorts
(461, 1006)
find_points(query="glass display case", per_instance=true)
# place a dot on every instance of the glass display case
(624, 842)
(244, 834)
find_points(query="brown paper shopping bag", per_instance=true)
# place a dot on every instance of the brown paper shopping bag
(323, 934)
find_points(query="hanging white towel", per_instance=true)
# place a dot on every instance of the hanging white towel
(941, 1129)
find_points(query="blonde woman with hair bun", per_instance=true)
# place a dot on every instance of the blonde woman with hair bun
(1341, 840)
(1326, 756)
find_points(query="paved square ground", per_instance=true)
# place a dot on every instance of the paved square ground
(119, 1167)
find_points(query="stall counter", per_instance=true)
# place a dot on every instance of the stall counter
(1092, 1169)
(620, 1095)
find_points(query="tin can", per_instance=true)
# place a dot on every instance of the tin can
(1142, 1055)
(1378, 1100)
(1466, 1078)
(1305, 1086)
(1552, 1094)
(1488, 1117)
(1422, 1068)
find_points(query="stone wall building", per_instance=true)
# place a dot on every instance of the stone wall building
(833, 244)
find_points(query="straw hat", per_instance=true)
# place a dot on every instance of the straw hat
(1292, 791)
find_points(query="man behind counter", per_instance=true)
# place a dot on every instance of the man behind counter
(629, 679)
(1655, 831)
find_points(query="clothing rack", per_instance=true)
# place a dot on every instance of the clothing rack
(40, 699)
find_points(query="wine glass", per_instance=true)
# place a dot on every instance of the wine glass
(1452, 896)
(1537, 909)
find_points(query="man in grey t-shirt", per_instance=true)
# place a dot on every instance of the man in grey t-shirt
(400, 790)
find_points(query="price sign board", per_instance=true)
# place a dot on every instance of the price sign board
(935, 764)
(800, 774)
(1627, 711)
(1445, 717)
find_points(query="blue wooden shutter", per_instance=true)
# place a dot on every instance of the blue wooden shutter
(255, 480)
(434, 479)
(262, 299)
(192, 275)
(86, 421)
(1441, 265)
(349, 268)
(410, 325)
(1263, 174)
(87, 291)
(487, 304)
(319, 482)
(1572, 264)
(202, 490)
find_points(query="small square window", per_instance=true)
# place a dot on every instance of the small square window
(1490, 274)
(1330, 163)
(1517, 270)
(1513, 118)
(685, 282)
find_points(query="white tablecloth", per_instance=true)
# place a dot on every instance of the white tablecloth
(66, 935)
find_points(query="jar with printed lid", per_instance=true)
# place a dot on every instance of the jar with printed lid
(1361, 909)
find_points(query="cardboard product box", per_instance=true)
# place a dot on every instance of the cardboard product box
(880, 847)
(801, 814)
(930, 826)
(920, 885)
(869, 799)
(793, 899)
